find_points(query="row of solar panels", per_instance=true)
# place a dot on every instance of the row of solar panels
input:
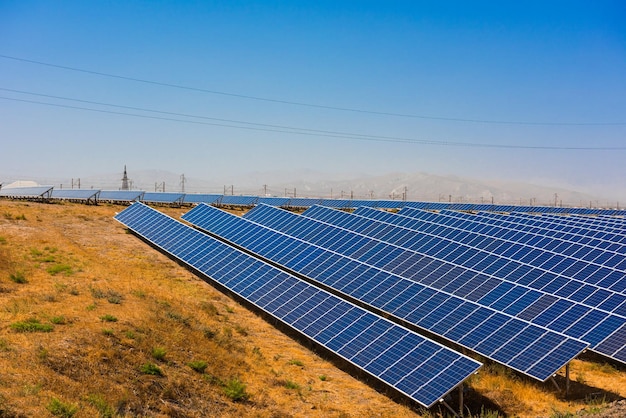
(90, 195)
(528, 292)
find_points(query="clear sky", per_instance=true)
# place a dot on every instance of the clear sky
(533, 91)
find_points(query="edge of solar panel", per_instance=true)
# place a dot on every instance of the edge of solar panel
(34, 191)
(121, 195)
(569, 347)
(399, 366)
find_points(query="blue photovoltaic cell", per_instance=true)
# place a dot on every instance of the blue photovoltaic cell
(378, 288)
(420, 368)
(527, 304)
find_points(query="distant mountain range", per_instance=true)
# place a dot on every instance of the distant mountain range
(307, 183)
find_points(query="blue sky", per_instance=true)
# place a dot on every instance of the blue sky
(520, 91)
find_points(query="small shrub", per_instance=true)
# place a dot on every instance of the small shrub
(323, 378)
(236, 390)
(61, 409)
(21, 217)
(91, 307)
(104, 409)
(18, 277)
(241, 330)
(296, 363)
(209, 333)
(108, 332)
(198, 365)
(108, 318)
(130, 334)
(289, 384)
(209, 308)
(59, 268)
(230, 309)
(151, 368)
(58, 320)
(31, 325)
(158, 353)
(178, 318)
(3, 240)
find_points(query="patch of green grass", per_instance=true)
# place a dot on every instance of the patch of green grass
(108, 318)
(241, 330)
(158, 353)
(209, 308)
(178, 318)
(18, 277)
(130, 334)
(102, 406)
(3, 240)
(296, 363)
(60, 268)
(91, 307)
(209, 333)
(198, 365)
(290, 384)
(323, 378)
(151, 369)
(61, 409)
(108, 332)
(31, 325)
(58, 320)
(236, 390)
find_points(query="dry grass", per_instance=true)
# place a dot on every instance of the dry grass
(81, 270)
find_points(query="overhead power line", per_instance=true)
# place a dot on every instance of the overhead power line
(284, 129)
(310, 105)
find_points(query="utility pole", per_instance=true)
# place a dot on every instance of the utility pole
(182, 183)
(556, 196)
(294, 192)
(265, 190)
(232, 190)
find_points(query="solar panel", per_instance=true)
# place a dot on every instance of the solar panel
(539, 353)
(121, 195)
(573, 308)
(273, 201)
(238, 200)
(163, 197)
(418, 367)
(76, 194)
(301, 202)
(593, 262)
(26, 192)
(335, 203)
(201, 198)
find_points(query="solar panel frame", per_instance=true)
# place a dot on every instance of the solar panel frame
(422, 369)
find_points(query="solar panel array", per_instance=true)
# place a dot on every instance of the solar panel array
(412, 364)
(561, 249)
(519, 289)
(530, 349)
(26, 192)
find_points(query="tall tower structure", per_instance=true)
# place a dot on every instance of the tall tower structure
(125, 180)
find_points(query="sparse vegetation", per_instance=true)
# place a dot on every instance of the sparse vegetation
(151, 368)
(31, 325)
(198, 365)
(236, 390)
(60, 268)
(158, 353)
(18, 277)
(108, 318)
(62, 409)
(102, 406)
